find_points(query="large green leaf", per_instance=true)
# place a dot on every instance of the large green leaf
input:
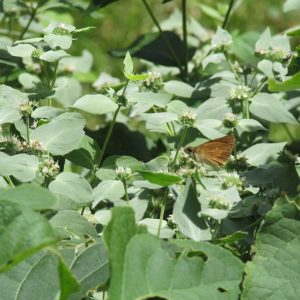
(95, 104)
(22, 233)
(290, 84)
(22, 166)
(74, 190)
(9, 115)
(142, 267)
(11, 97)
(30, 195)
(269, 108)
(162, 179)
(274, 272)
(263, 153)
(60, 136)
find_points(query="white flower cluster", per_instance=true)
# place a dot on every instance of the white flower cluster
(26, 107)
(123, 174)
(188, 118)
(33, 145)
(48, 167)
(240, 93)
(231, 120)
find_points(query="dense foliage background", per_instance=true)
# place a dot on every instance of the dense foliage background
(99, 196)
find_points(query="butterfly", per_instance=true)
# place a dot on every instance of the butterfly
(215, 152)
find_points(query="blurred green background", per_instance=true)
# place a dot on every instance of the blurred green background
(120, 23)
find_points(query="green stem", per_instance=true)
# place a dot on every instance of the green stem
(54, 76)
(172, 52)
(233, 70)
(27, 130)
(227, 14)
(184, 31)
(44, 67)
(162, 211)
(111, 126)
(180, 142)
(259, 88)
(32, 16)
(126, 193)
(9, 181)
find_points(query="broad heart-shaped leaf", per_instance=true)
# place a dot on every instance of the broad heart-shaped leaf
(186, 211)
(95, 104)
(22, 166)
(269, 108)
(249, 125)
(29, 195)
(263, 153)
(290, 84)
(179, 88)
(86, 154)
(29, 279)
(60, 136)
(9, 115)
(108, 190)
(142, 268)
(274, 272)
(75, 190)
(152, 47)
(162, 179)
(70, 223)
(157, 99)
(47, 112)
(213, 108)
(22, 233)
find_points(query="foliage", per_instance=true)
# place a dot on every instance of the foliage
(104, 192)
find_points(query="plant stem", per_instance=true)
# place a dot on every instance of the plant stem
(233, 70)
(184, 31)
(172, 52)
(54, 76)
(180, 143)
(111, 126)
(9, 181)
(27, 130)
(32, 16)
(162, 212)
(227, 14)
(126, 193)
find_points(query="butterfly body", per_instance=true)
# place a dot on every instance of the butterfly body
(215, 152)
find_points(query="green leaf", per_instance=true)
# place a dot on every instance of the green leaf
(162, 179)
(72, 187)
(284, 132)
(95, 104)
(185, 212)
(263, 153)
(86, 155)
(128, 65)
(60, 136)
(22, 233)
(143, 268)
(53, 56)
(55, 40)
(11, 97)
(179, 88)
(21, 50)
(9, 115)
(108, 190)
(69, 223)
(157, 99)
(29, 195)
(90, 268)
(29, 81)
(269, 108)
(274, 272)
(290, 84)
(213, 108)
(249, 125)
(22, 166)
(215, 58)
(290, 5)
(116, 235)
(68, 284)
(47, 112)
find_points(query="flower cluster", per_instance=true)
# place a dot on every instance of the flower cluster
(240, 93)
(48, 167)
(36, 53)
(153, 82)
(230, 120)
(232, 179)
(26, 107)
(238, 163)
(187, 119)
(217, 202)
(275, 54)
(33, 145)
(123, 174)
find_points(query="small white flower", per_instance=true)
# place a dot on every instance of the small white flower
(240, 92)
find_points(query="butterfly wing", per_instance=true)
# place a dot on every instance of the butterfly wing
(215, 152)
